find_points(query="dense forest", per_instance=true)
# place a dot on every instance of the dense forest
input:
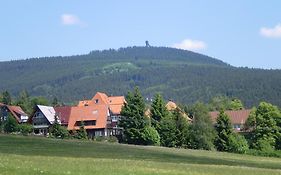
(183, 76)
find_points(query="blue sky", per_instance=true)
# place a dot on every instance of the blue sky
(241, 33)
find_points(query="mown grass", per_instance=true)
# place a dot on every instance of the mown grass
(32, 155)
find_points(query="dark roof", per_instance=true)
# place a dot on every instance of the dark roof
(63, 113)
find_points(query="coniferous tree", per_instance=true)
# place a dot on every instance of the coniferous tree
(55, 102)
(6, 98)
(224, 130)
(181, 128)
(133, 120)
(24, 102)
(168, 131)
(158, 111)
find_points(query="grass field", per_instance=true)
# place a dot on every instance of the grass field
(31, 155)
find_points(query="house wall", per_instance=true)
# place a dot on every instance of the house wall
(96, 133)
(4, 113)
(40, 123)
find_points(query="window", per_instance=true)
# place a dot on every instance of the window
(237, 126)
(114, 118)
(96, 101)
(98, 133)
(86, 123)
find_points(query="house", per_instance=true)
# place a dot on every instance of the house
(15, 111)
(94, 118)
(100, 115)
(42, 119)
(237, 118)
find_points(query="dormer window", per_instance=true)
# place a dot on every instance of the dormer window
(97, 101)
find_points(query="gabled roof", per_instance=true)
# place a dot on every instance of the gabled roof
(99, 113)
(236, 117)
(63, 112)
(16, 111)
(49, 112)
(101, 97)
(116, 103)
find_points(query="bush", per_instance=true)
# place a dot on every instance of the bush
(10, 125)
(80, 134)
(273, 153)
(264, 145)
(25, 129)
(237, 144)
(58, 131)
(150, 136)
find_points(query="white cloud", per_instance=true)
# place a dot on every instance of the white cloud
(69, 19)
(274, 32)
(189, 44)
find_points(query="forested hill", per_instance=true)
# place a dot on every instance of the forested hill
(180, 75)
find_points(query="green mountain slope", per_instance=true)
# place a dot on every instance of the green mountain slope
(180, 75)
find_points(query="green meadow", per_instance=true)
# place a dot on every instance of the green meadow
(34, 155)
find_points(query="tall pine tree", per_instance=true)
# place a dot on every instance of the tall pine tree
(158, 111)
(224, 130)
(133, 120)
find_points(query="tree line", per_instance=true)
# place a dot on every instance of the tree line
(172, 129)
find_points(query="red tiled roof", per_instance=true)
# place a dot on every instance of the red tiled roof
(16, 110)
(116, 103)
(115, 109)
(116, 100)
(63, 113)
(101, 97)
(98, 113)
(236, 117)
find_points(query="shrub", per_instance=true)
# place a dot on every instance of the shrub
(10, 125)
(25, 129)
(237, 144)
(58, 131)
(264, 145)
(81, 133)
(150, 136)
